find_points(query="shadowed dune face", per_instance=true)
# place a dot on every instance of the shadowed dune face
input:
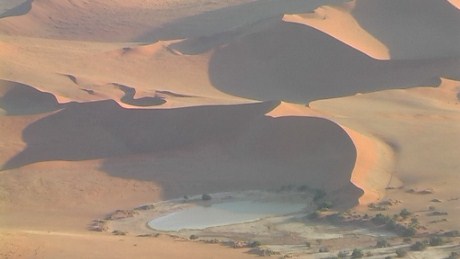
(412, 29)
(267, 65)
(20, 99)
(129, 94)
(224, 21)
(13, 8)
(200, 149)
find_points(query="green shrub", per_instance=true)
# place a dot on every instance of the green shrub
(193, 237)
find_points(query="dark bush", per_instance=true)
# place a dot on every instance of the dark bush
(325, 205)
(255, 244)
(381, 242)
(342, 254)
(436, 241)
(418, 246)
(193, 237)
(380, 219)
(357, 253)
(323, 249)
(404, 213)
(401, 252)
(206, 197)
(319, 194)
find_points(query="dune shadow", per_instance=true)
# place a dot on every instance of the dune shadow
(297, 63)
(18, 10)
(229, 19)
(412, 28)
(199, 149)
(21, 99)
(130, 92)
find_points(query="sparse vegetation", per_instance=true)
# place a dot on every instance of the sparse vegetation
(401, 252)
(357, 253)
(404, 213)
(324, 205)
(146, 207)
(314, 215)
(319, 195)
(436, 241)
(118, 233)
(452, 233)
(342, 254)
(323, 249)
(418, 246)
(453, 255)
(391, 224)
(255, 244)
(206, 197)
(193, 237)
(381, 242)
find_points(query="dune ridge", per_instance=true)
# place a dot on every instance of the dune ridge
(332, 20)
(107, 105)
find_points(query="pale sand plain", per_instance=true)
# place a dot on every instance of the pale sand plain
(108, 105)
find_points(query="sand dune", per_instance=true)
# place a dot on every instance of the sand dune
(255, 67)
(14, 8)
(412, 29)
(20, 99)
(333, 19)
(222, 146)
(111, 104)
(396, 29)
(418, 129)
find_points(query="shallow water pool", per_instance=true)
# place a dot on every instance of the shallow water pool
(220, 214)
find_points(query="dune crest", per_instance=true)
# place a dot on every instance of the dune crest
(412, 29)
(373, 169)
(337, 22)
(455, 3)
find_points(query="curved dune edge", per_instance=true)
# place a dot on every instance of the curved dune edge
(333, 19)
(455, 3)
(372, 171)
(374, 159)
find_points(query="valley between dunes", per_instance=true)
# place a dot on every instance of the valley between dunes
(108, 105)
